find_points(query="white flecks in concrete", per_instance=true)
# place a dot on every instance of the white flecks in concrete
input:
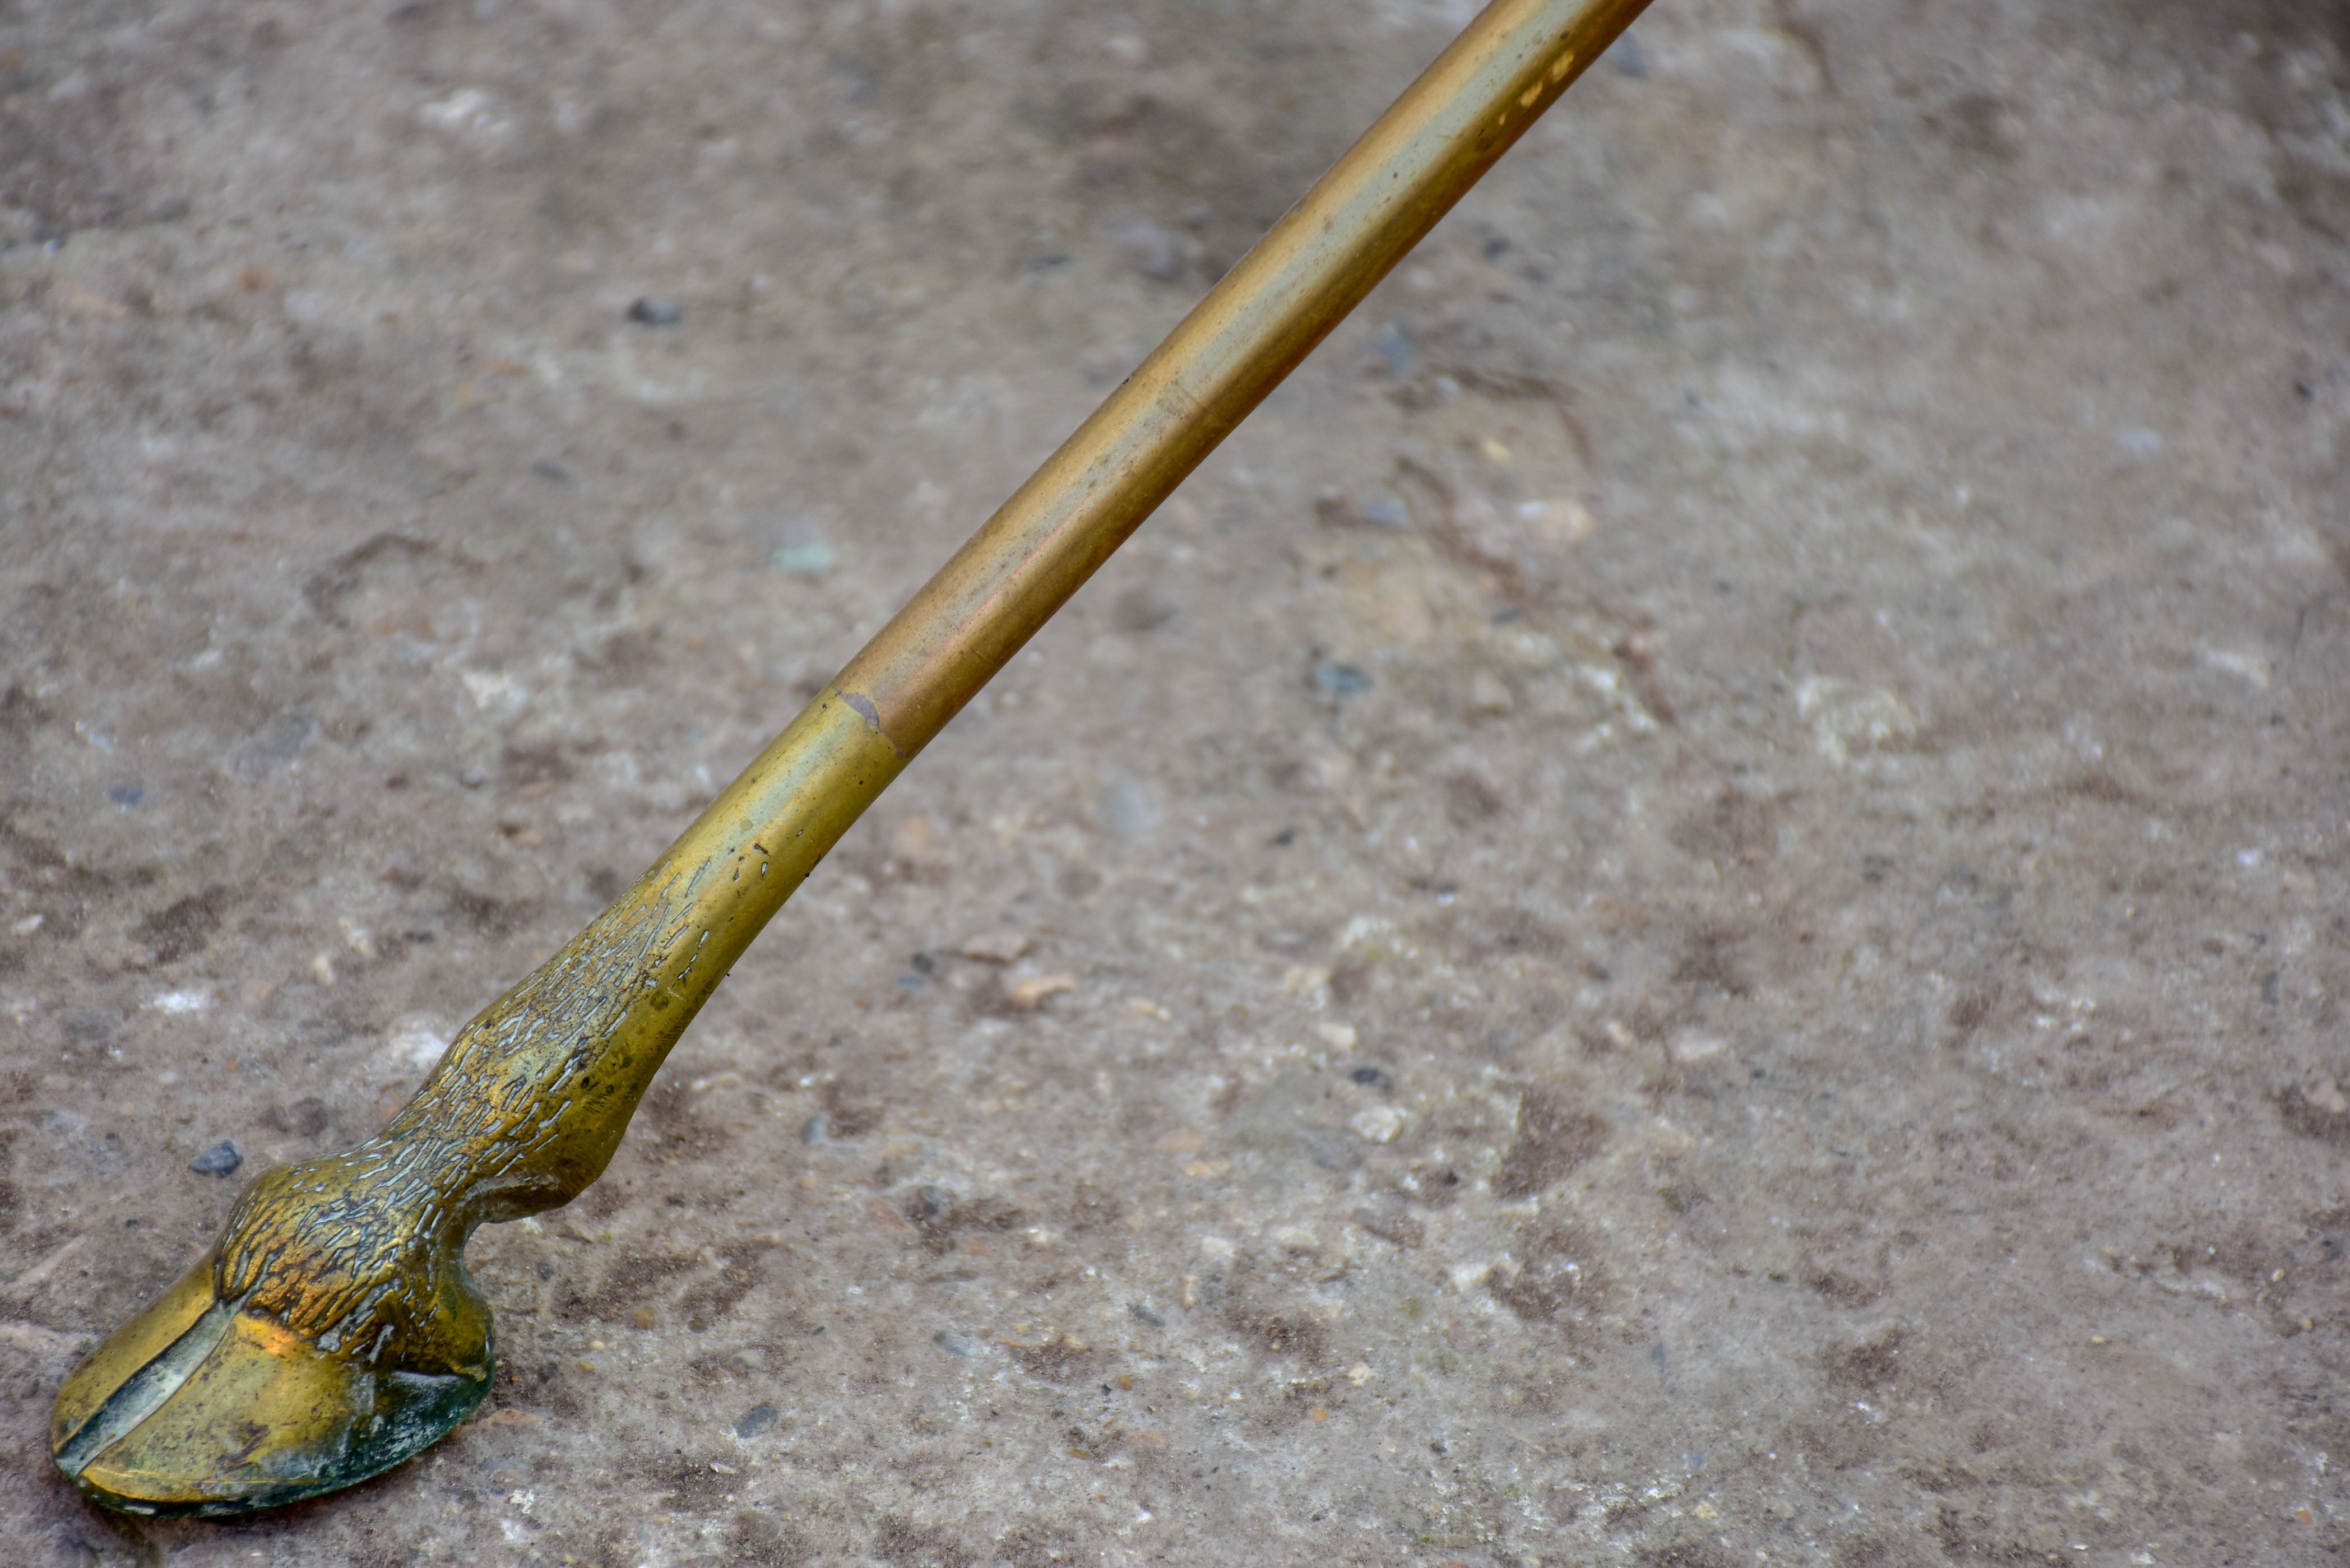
(471, 115)
(1849, 718)
(197, 999)
(411, 1047)
(2249, 667)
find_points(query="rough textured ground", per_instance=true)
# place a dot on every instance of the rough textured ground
(1701, 881)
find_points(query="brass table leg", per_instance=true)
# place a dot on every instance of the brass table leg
(333, 1331)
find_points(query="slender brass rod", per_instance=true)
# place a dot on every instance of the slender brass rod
(1252, 329)
(333, 1330)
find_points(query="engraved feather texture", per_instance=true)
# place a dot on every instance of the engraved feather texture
(334, 1331)
(362, 1252)
(522, 1114)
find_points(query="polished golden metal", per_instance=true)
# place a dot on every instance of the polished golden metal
(333, 1330)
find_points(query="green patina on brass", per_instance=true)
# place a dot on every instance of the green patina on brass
(333, 1331)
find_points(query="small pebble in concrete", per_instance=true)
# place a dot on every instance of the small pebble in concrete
(1489, 694)
(813, 1130)
(221, 1159)
(1373, 1077)
(652, 310)
(959, 1346)
(1142, 1314)
(1030, 993)
(1393, 346)
(90, 1026)
(270, 748)
(757, 1420)
(1331, 1152)
(1386, 511)
(995, 947)
(308, 1116)
(810, 559)
(1340, 680)
(1142, 610)
(126, 795)
(802, 548)
(1124, 805)
(1151, 249)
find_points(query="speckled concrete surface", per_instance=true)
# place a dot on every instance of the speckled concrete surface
(1688, 911)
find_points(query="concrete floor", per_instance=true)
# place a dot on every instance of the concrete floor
(1702, 882)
